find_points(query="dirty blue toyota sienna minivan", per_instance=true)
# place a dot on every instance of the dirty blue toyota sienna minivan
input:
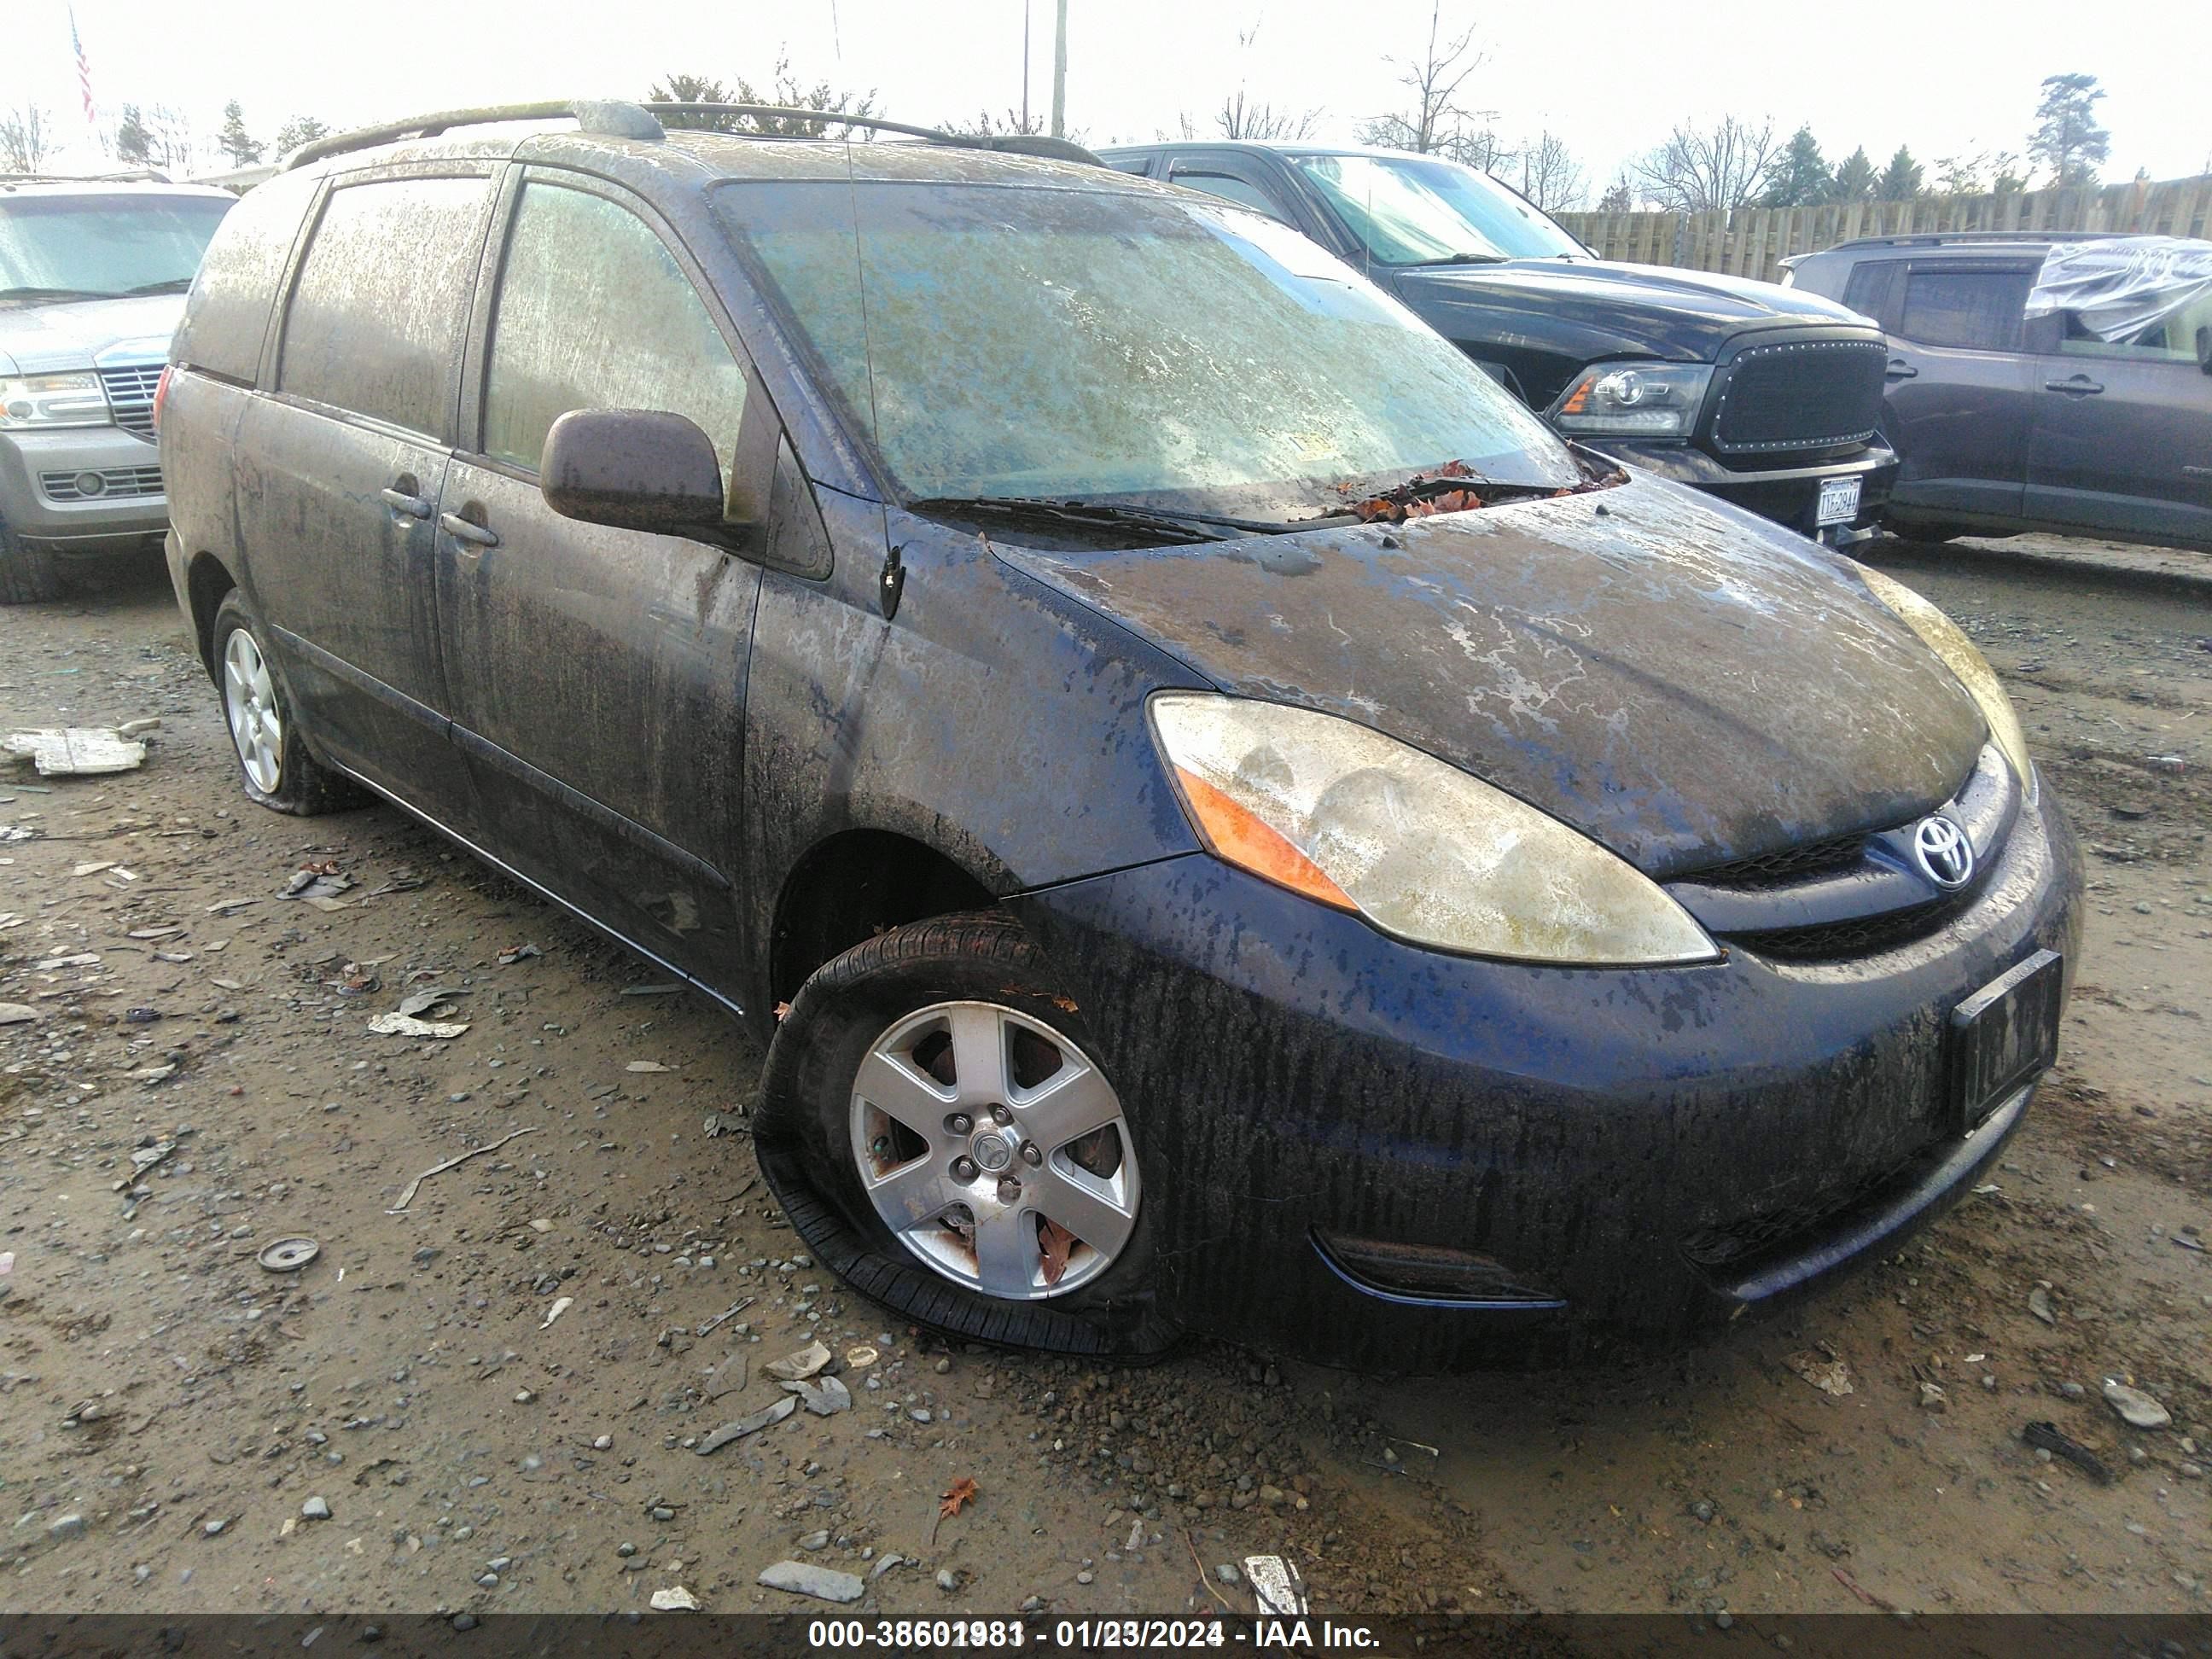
(1223, 819)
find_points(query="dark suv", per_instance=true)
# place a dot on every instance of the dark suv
(1226, 821)
(1764, 397)
(2007, 422)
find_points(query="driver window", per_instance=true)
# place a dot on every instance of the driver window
(594, 313)
(1230, 189)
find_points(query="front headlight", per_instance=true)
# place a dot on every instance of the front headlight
(1972, 669)
(1643, 400)
(1348, 816)
(69, 399)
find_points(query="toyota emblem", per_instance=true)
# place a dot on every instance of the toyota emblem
(1946, 857)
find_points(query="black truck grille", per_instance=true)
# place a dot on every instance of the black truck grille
(130, 397)
(1799, 395)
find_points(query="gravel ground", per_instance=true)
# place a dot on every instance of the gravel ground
(493, 1400)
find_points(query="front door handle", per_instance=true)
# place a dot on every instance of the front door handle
(401, 500)
(473, 536)
(2073, 385)
(1899, 369)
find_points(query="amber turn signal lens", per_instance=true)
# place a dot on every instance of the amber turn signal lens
(1236, 834)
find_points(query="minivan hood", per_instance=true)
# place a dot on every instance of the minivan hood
(1606, 310)
(1678, 680)
(39, 339)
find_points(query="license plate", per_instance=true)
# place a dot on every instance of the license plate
(1839, 501)
(2003, 1037)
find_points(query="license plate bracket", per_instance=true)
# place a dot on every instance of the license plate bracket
(1838, 502)
(2003, 1037)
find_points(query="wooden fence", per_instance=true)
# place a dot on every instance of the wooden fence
(1752, 241)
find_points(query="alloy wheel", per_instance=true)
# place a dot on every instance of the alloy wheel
(994, 1151)
(249, 700)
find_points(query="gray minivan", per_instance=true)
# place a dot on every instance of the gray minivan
(2008, 422)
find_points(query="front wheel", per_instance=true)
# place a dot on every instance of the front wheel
(273, 761)
(937, 1126)
(28, 575)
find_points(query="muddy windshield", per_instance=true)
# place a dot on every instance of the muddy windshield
(1417, 210)
(1035, 342)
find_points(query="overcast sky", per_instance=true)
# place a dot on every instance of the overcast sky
(1944, 78)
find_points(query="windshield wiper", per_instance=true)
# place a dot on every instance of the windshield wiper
(1164, 526)
(1462, 259)
(167, 285)
(29, 294)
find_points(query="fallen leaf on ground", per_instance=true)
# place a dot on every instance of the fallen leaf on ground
(962, 1492)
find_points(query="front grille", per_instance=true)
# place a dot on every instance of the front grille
(1787, 864)
(1860, 936)
(1801, 394)
(130, 396)
(114, 483)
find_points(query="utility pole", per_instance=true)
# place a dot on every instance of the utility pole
(1060, 75)
(1025, 65)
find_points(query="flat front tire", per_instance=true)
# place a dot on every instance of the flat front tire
(935, 1122)
(273, 761)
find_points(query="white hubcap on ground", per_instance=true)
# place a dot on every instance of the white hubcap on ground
(994, 1151)
(249, 698)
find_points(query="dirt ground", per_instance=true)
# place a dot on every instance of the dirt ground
(495, 1394)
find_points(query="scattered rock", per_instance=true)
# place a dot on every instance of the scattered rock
(803, 1578)
(2039, 1303)
(1823, 1369)
(679, 1600)
(2136, 1408)
(315, 1508)
(797, 1367)
(65, 1526)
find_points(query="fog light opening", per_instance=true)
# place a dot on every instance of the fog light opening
(1431, 1274)
(89, 484)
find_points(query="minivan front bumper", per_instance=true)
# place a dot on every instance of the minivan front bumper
(82, 489)
(1564, 1141)
(1788, 496)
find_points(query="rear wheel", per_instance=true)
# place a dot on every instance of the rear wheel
(938, 1129)
(28, 575)
(273, 761)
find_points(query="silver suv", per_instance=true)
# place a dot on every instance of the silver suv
(93, 276)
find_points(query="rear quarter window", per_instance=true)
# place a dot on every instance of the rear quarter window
(374, 323)
(228, 315)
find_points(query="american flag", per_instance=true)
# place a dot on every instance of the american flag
(83, 65)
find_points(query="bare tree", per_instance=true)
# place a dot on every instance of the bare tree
(1238, 118)
(1483, 150)
(784, 91)
(984, 125)
(1620, 196)
(1550, 175)
(27, 138)
(1699, 169)
(1434, 117)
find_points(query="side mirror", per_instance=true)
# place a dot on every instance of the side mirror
(2204, 350)
(634, 469)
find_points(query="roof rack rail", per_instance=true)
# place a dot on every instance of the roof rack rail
(609, 118)
(613, 117)
(1012, 143)
(1937, 237)
(127, 176)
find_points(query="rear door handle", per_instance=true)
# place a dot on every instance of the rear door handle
(469, 535)
(2073, 385)
(400, 501)
(1899, 369)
